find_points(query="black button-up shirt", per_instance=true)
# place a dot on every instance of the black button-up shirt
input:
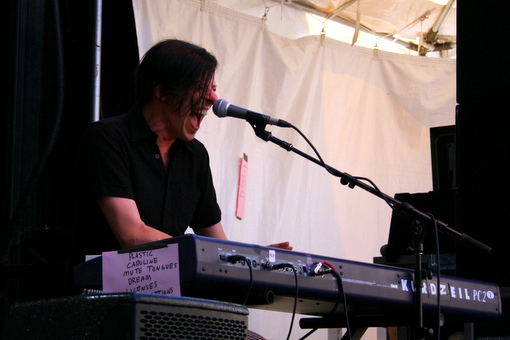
(120, 158)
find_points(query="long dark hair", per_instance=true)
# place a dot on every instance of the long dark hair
(178, 67)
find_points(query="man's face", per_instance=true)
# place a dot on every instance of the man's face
(186, 123)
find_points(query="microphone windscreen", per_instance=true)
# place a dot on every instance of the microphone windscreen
(220, 107)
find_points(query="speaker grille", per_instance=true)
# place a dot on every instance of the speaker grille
(168, 325)
(128, 317)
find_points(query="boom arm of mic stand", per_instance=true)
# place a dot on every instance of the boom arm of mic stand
(351, 181)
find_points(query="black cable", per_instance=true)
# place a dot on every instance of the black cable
(309, 333)
(390, 204)
(237, 258)
(436, 236)
(296, 295)
(314, 150)
(316, 270)
(343, 297)
(335, 173)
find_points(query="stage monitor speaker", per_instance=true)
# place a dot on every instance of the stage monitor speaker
(128, 316)
(442, 147)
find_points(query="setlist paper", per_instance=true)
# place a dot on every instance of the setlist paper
(148, 271)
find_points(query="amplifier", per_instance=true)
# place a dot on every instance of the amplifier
(128, 316)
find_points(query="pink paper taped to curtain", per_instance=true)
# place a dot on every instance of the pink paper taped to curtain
(241, 187)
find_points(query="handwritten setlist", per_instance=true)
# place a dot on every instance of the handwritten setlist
(148, 271)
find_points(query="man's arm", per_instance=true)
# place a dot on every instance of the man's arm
(129, 229)
(125, 221)
(215, 231)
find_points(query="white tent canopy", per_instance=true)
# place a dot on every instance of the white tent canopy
(403, 26)
(368, 112)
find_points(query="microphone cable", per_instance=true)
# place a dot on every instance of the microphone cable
(438, 274)
(336, 172)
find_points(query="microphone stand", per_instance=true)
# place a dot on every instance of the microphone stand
(349, 180)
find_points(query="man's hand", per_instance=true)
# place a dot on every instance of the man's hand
(282, 245)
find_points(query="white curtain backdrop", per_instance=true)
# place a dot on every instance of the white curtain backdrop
(367, 112)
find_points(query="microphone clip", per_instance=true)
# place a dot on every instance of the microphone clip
(260, 129)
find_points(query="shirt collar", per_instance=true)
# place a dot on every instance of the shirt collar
(138, 125)
(141, 130)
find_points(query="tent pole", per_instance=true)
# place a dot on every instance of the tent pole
(96, 72)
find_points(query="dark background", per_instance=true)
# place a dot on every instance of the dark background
(47, 75)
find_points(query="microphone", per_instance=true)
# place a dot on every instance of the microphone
(223, 108)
